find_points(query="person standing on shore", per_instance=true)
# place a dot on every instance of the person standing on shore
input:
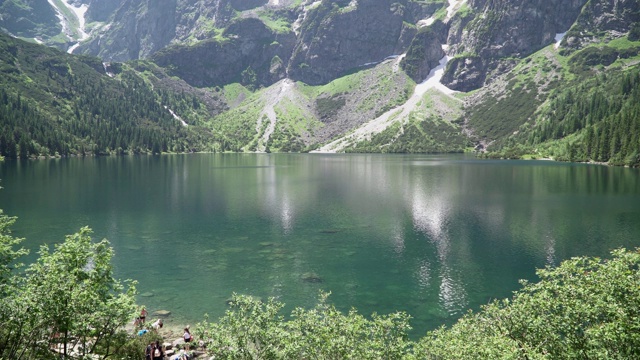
(187, 337)
(143, 315)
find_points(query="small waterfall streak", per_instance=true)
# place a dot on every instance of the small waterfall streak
(176, 116)
(106, 65)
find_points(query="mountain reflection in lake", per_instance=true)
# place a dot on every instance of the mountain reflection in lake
(429, 235)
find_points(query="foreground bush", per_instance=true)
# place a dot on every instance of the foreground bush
(67, 302)
(255, 330)
(586, 308)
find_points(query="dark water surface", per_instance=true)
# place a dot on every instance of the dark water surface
(429, 235)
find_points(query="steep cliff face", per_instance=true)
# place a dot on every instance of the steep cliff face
(137, 29)
(423, 54)
(503, 29)
(602, 20)
(199, 18)
(325, 40)
(338, 36)
(101, 10)
(249, 53)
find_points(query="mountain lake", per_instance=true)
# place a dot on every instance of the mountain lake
(431, 235)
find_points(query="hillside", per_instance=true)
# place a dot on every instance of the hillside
(54, 104)
(336, 76)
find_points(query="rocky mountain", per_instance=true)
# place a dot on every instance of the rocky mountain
(352, 75)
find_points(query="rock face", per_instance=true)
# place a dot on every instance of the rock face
(317, 41)
(465, 73)
(100, 10)
(423, 55)
(337, 38)
(251, 55)
(331, 39)
(138, 28)
(502, 29)
(613, 18)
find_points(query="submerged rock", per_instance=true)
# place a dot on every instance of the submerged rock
(329, 231)
(162, 313)
(311, 277)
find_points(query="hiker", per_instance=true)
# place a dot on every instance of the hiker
(157, 352)
(157, 325)
(143, 315)
(187, 337)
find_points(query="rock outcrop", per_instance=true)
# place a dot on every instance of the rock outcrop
(317, 41)
(138, 29)
(332, 39)
(338, 36)
(423, 54)
(602, 19)
(250, 54)
(503, 29)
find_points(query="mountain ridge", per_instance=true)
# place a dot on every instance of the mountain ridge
(492, 57)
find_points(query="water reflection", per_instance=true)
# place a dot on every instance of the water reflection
(431, 196)
(452, 293)
(431, 235)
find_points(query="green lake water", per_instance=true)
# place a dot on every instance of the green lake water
(430, 235)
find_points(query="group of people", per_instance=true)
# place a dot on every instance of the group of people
(154, 350)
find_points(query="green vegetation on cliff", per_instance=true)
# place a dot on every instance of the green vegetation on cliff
(432, 127)
(592, 118)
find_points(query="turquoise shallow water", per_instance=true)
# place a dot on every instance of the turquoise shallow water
(426, 234)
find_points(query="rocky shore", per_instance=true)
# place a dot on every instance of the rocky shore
(172, 335)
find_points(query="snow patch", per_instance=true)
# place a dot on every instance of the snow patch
(106, 65)
(79, 12)
(433, 80)
(454, 5)
(38, 41)
(72, 48)
(558, 39)
(396, 65)
(426, 22)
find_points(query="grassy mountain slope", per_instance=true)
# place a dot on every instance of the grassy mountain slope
(578, 107)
